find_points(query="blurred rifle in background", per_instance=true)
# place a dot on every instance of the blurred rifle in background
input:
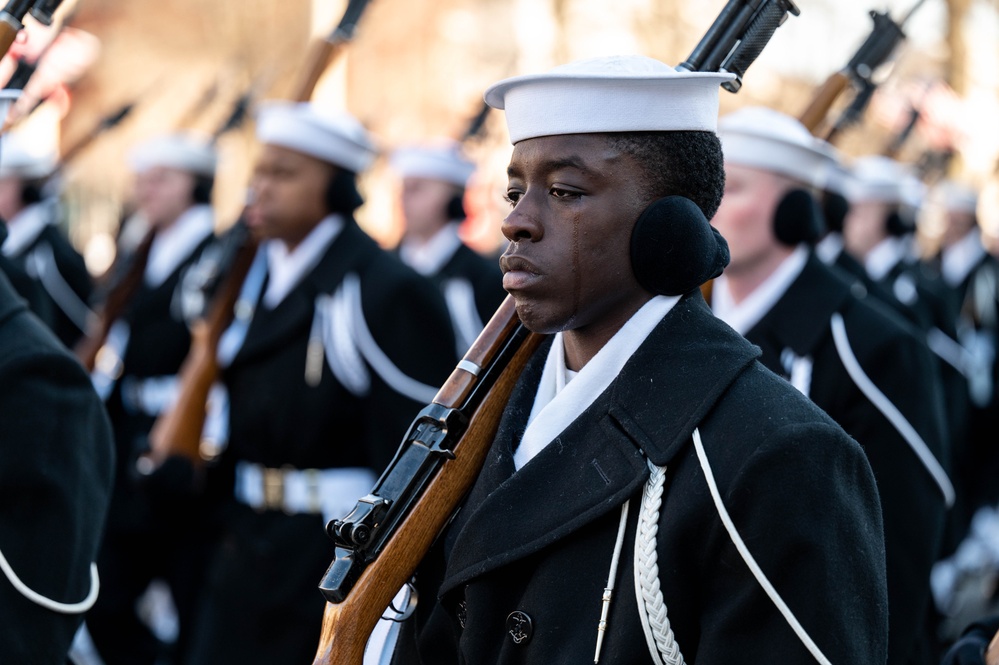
(885, 36)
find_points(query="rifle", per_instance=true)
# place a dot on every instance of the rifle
(877, 48)
(104, 124)
(737, 37)
(325, 51)
(178, 431)
(380, 543)
(120, 293)
(13, 14)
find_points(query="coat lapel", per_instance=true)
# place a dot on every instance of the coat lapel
(270, 328)
(599, 461)
(799, 321)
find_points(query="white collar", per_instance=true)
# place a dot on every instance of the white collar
(743, 316)
(829, 248)
(285, 269)
(558, 402)
(25, 227)
(174, 244)
(958, 260)
(428, 258)
(884, 256)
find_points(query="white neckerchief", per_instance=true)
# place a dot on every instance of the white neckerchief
(743, 316)
(25, 227)
(886, 255)
(286, 269)
(561, 397)
(958, 260)
(174, 244)
(428, 258)
(829, 248)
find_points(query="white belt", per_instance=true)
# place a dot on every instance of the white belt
(150, 396)
(331, 493)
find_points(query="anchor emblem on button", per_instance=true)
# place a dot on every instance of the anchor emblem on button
(519, 626)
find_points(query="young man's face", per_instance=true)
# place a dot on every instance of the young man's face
(746, 216)
(289, 194)
(865, 226)
(575, 201)
(424, 205)
(162, 194)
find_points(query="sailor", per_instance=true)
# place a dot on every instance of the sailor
(972, 276)
(646, 463)
(334, 348)
(55, 484)
(853, 357)
(434, 177)
(136, 372)
(35, 244)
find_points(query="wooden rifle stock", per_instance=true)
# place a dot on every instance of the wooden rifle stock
(992, 653)
(823, 100)
(348, 624)
(119, 296)
(321, 54)
(178, 431)
(326, 51)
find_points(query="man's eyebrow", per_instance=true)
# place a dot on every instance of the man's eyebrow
(557, 164)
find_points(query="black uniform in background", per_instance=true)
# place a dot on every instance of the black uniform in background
(473, 290)
(800, 327)
(55, 483)
(294, 410)
(53, 263)
(151, 534)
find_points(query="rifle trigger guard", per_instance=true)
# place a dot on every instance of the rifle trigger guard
(412, 599)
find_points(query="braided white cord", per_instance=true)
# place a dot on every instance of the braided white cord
(651, 606)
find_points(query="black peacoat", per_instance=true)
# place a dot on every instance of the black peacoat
(55, 483)
(519, 574)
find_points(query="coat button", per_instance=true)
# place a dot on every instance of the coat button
(519, 626)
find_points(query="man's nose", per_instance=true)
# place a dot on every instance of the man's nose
(523, 222)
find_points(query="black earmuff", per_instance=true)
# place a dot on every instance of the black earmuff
(202, 191)
(341, 193)
(674, 249)
(456, 207)
(31, 192)
(797, 219)
(897, 225)
(835, 208)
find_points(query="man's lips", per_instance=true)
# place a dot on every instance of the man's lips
(518, 272)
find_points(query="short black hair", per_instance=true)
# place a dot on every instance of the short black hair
(681, 163)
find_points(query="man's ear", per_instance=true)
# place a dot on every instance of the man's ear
(674, 249)
(798, 219)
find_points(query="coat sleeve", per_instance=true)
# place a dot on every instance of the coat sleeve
(55, 482)
(806, 508)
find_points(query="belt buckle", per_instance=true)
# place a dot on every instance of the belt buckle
(273, 489)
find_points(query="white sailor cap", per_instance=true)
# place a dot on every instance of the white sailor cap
(957, 197)
(766, 139)
(19, 159)
(330, 136)
(183, 152)
(878, 179)
(625, 93)
(441, 160)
